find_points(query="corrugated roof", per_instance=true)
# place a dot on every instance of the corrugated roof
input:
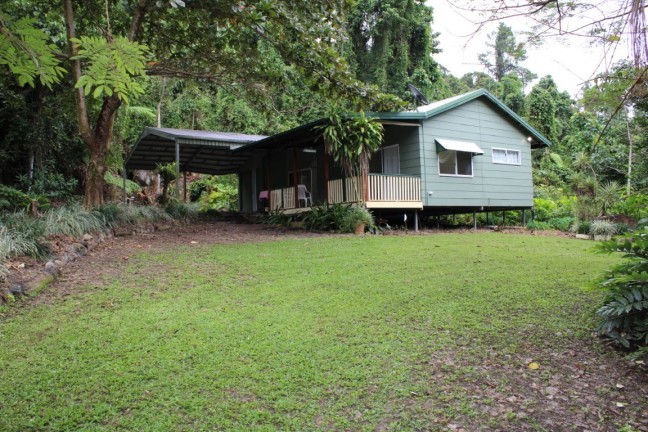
(205, 152)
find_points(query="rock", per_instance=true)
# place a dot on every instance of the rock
(51, 268)
(80, 249)
(17, 290)
(59, 263)
(122, 231)
(163, 227)
(87, 237)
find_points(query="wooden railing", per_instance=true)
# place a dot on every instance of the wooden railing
(394, 188)
(385, 190)
(282, 199)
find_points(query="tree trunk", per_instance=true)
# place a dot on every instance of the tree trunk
(93, 184)
(98, 138)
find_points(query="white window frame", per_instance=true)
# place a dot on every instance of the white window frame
(506, 153)
(472, 165)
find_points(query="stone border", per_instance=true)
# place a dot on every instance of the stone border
(53, 266)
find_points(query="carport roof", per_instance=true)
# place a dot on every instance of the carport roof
(200, 151)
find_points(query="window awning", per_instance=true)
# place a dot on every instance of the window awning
(462, 146)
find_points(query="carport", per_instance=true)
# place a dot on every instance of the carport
(195, 151)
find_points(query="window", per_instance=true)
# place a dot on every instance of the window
(506, 156)
(390, 160)
(455, 163)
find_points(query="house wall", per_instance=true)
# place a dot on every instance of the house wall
(492, 185)
(407, 138)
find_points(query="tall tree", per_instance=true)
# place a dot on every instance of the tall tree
(392, 45)
(109, 43)
(505, 55)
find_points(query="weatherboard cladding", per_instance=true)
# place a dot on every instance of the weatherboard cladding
(492, 185)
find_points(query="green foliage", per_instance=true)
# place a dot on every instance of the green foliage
(337, 217)
(582, 227)
(352, 140)
(52, 185)
(635, 205)
(602, 228)
(25, 50)
(118, 182)
(21, 234)
(72, 220)
(507, 54)
(215, 192)
(182, 211)
(355, 216)
(168, 173)
(14, 200)
(277, 217)
(113, 66)
(624, 314)
(392, 45)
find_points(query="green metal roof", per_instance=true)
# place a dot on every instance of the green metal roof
(439, 107)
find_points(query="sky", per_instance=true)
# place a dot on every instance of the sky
(570, 60)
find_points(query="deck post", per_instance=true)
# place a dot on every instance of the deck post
(416, 221)
(177, 161)
(503, 217)
(523, 218)
(326, 173)
(268, 184)
(475, 220)
(295, 180)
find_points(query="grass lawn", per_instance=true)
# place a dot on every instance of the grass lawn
(331, 333)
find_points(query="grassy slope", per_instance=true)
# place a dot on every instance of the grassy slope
(331, 333)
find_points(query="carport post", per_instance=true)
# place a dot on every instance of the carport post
(184, 186)
(177, 161)
(124, 184)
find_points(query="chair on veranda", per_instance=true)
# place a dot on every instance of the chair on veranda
(304, 195)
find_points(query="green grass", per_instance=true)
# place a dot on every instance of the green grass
(312, 334)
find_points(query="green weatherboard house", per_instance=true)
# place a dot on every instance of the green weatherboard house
(458, 155)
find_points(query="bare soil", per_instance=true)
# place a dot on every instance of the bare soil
(581, 388)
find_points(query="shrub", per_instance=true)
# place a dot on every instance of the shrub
(602, 228)
(73, 220)
(635, 206)
(118, 182)
(52, 185)
(624, 314)
(562, 223)
(178, 210)
(277, 217)
(14, 200)
(327, 217)
(581, 227)
(355, 216)
(543, 209)
(539, 226)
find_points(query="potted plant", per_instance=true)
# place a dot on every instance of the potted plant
(581, 229)
(602, 230)
(357, 220)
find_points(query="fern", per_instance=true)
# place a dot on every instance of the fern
(112, 67)
(624, 314)
(26, 51)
